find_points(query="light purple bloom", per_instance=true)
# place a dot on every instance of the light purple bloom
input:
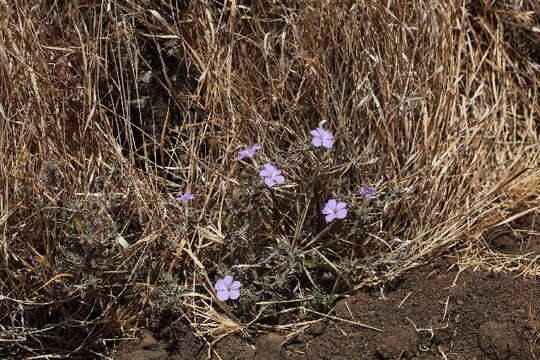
(248, 152)
(368, 191)
(239, 239)
(227, 288)
(322, 137)
(185, 197)
(334, 209)
(272, 175)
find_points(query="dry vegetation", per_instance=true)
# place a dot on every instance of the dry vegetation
(107, 108)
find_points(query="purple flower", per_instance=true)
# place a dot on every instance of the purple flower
(322, 137)
(272, 175)
(185, 197)
(227, 288)
(248, 152)
(334, 209)
(368, 191)
(238, 239)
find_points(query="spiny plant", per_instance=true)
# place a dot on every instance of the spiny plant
(278, 285)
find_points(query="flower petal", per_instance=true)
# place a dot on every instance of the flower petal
(332, 203)
(268, 170)
(279, 179)
(235, 285)
(330, 217)
(186, 196)
(255, 147)
(314, 132)
(242, 154)
(326, 210)
(341, 213)
(368, 191)
(234, 294)
(227, 281)
(220, 286)
(327, 143)
(269, 181)
(341, 205)
(223, 295)
(316, 141)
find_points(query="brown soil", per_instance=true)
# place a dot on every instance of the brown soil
(432, 312)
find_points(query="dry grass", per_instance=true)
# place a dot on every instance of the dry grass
(108, 108)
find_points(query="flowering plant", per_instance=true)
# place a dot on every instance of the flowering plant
(322, 137)
(249, 152)
(334, 210)
(227, 288)
(272, 175)
(184, 197)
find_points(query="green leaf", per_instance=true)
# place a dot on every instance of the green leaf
(309, 263)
